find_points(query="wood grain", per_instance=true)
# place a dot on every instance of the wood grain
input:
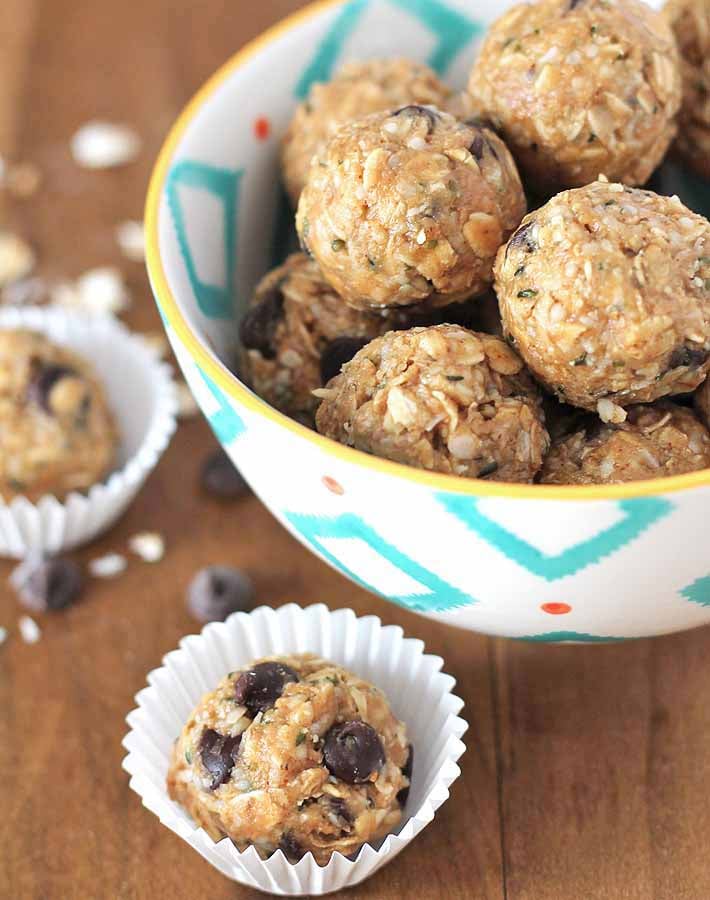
(587, 767)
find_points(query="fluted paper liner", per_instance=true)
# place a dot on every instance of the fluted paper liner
(418, 692)
(141, 395)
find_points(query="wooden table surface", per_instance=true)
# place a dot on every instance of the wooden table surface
(588, 768)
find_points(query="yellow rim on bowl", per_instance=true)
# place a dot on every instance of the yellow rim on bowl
(229, 383)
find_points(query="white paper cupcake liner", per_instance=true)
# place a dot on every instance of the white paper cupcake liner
(418, 692)
(141, 395)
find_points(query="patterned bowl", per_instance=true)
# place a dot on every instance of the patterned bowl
(544, 563)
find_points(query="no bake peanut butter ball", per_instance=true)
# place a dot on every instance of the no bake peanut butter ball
(580, 87)
(408, 208)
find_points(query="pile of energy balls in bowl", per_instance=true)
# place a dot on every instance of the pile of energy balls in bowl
(429, 320)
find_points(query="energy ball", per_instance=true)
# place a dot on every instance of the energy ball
(408, 208)
(581, 87)
(654, 441)
(605, 293)
(57, 433)
(360, 88)
(297, 334)
(441, 398)
(293, 753)
(690, 21)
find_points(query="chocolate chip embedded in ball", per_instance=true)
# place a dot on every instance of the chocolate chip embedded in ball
(47, 584)
(403, 795)
(336, 354)
(221, 478)
(353, 752)
(218, 753)
(40, 388)
(217, 591)
(414, 110)
(260, 322)
(290, 847)
(259, 688)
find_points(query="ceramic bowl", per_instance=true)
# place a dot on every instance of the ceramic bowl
(544, 563)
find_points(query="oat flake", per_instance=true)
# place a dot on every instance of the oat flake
(148, 545)
(17, 259)
(29, 630)
(103, 145)
(108, 566)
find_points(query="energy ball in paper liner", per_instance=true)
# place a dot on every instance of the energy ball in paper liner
(293, 753)
(57, 433)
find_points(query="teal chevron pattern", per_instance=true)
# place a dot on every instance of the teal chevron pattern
(639, 515)
(561, 637)
(225, 422)
(441, 596)
(325, 59)
(451, 29)
(215, 302)
(698, 591)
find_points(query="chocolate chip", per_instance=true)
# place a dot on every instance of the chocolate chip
(217, 591)
(476, 148)
(336, 354)
(48, 584)
(688, 356)
(339, 808)
(414, 110)
(290, 847)
(403, 795)
(218, 753)
(221, 478)
(488, 468)
(353, 752)
(259, 688)
(522, 239)
(46, 377)
(257, 328)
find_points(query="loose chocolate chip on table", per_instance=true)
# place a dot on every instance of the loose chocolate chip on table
(257, 328)
(290, 847)
(221, 478)
(40, 388)
(218, 753)
(403, 795)
(217, 591)
(259, 688)
(47, 584)
(415, 110)
(336, 354)
(353, 752)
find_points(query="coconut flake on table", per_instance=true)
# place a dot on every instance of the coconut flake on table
(99, 290)
(17, 258)
(108, 566)
(103, 145)
(29, 630)
(3, 634)
(131, 240)
(148, 545)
